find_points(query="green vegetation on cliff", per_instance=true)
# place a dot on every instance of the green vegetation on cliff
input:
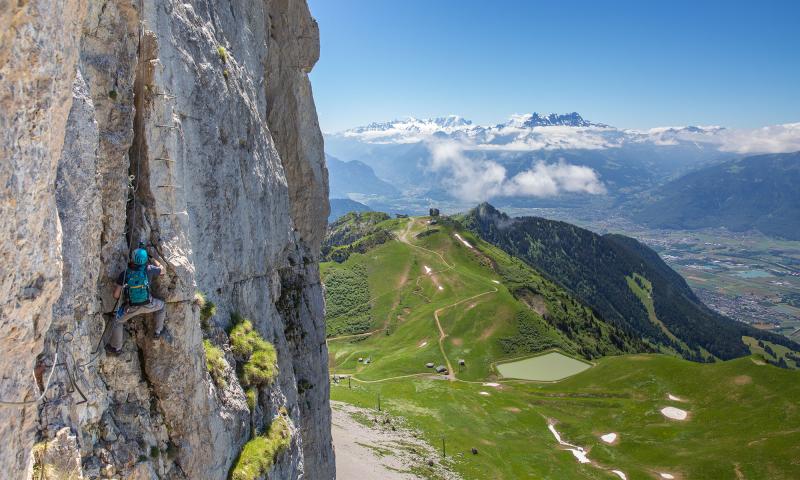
(259, 454)
(258, 360)
(215, 363)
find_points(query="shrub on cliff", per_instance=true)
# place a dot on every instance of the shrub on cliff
(258, 356)
(215, 363)
(259, 454)
(207, 308)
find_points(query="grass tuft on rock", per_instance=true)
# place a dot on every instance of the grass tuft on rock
(215, 363)
(259, 454)
(252, 398)
(245, 340)
(260, 360)
(262, 367)
(207, 308)
(223, 54)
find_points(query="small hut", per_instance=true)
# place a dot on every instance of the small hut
(429, 365)
(461, 362)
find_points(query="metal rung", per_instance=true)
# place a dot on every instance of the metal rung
(165, 159)
(164, 95)
(170, 186)
(174, 213)
(166, 126)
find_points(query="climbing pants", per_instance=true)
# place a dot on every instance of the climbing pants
(155, 306)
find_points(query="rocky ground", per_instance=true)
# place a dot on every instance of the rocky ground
(370, 444)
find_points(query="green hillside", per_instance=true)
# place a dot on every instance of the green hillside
(753, 193)
(509, 306)
(599, 269)
(342, 206)
(476, 303)
(356, 232)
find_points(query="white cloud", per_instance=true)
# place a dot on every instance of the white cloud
(773, 139)
(476, 180)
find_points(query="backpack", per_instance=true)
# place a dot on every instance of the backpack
(138, 285)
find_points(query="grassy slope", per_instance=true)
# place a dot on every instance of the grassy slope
(643, 289)
(779, 350)
(484, 329)
(740, 412)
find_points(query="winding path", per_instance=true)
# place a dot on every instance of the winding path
(403, 237)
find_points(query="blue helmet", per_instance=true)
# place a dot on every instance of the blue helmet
(139, 256)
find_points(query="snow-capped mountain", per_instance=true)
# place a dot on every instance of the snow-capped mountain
(531, 120)
(526, 132)
(539, 155)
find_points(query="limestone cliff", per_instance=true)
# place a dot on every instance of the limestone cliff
(189, 126)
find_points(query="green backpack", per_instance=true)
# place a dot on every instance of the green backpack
(138, 285)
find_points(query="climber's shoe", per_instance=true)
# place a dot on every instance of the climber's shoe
(158, 335)
(112, 351)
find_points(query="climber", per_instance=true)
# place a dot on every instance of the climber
(135, 282)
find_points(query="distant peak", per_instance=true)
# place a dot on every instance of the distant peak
(530, 120)
(486, 209)
(451, 121)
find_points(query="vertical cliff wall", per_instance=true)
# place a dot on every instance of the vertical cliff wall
(189, 126)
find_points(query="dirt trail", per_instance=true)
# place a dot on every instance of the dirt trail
(403, 237)
(442, 335)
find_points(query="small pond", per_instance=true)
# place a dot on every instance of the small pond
(545, 368)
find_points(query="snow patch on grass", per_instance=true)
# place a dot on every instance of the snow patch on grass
(674, 413)
(463, 241)
(609, 437)
(577, 451)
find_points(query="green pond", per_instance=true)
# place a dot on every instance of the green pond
(548, 367)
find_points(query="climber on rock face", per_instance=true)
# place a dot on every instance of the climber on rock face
(135, 283)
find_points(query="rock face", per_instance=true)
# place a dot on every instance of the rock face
(189, 126)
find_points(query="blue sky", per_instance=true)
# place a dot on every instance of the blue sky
(629, 64)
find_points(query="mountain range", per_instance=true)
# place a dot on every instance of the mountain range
(355, 177)
(565, 161)
(532, 131)
(753, 193)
